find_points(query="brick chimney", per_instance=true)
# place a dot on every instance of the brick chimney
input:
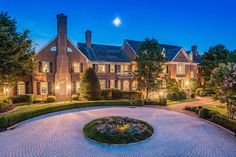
(88, 37)
(194, 49)
(61, 24)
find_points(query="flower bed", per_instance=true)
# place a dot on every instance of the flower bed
(117, 130)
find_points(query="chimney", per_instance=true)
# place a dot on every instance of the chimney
(194, 49)
(88, 36)
(61, 25)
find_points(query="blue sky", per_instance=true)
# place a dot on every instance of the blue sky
(180, 22)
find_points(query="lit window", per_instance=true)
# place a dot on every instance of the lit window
(180, 69)
(102, 84)
(134, 85)
(118, 84)
(126, 85)
(191, 74)
(76, 67)
(112, 68)
(191, 56)
(45, 67)
(44, 88)
(101, 68)
(21, 88)
(164, 68)
(124, 68)
(112, 83)
(69, 49)
(53, 49)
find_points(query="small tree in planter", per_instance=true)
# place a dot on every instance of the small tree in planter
(90, 86)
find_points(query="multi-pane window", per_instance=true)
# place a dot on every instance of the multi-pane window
(180, 69)
(191, 74)
(76, 67)
(45, 66)
(118, 84)
(134, 85)
(126, 85)
(44, 88)
(101, 68)
(112, 83)
(112, 68)
(102, 84)
(124, 68)
(21, 88)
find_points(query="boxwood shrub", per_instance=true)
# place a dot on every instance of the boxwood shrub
(160, 101)
(204, 113)
(5, 104)
(51, 99)
(28, 98)
(119, 94)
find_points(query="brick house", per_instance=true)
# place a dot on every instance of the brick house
(61, 64)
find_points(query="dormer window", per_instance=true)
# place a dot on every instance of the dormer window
(53, 49)
(191, 56)
(69, 49)
(163, 53)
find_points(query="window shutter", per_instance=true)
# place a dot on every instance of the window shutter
(109, 84)
(81, 67)
(15, 90)
(38, 88)
(40, 66)
(94, 65)
(27, 88)
(51, 67)
(116, 68)
(167, 70)
(49, 88)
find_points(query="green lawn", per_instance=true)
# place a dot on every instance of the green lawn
(21, 113)
(173, 102)
(218, 108)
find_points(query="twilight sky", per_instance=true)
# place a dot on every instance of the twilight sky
(180, 22)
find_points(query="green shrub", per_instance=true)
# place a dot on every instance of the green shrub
(160, 101)
(28, 98)
(224, 121)
(204, 113)
(131, 95)
(182, 95)
(51, 99)
(75, 97)
(5, 104)
(200, 92)
(193, 109)
(193, 95)
(111, 93)
(193, 84)
(90, 87)
(138, 102)
(173, 96)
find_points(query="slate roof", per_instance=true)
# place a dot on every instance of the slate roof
(171, 50)
(106, 53)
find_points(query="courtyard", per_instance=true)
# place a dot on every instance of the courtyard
(60, 134)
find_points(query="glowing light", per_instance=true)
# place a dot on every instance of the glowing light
(161, 93)
(117, 21)
(57, 87)
(186, 83)
(68, 86)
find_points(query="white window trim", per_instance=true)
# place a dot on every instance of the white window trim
(177, 72)
(19, 90)
(41, 89)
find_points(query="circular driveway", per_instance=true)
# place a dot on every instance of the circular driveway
(60, 135)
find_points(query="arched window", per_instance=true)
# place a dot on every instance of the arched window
(21, 88)
(126, 85)
(134, 85)
(69, 49)
(53, 49)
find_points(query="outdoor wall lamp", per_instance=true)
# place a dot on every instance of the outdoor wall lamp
(69, 86)
(57, 87)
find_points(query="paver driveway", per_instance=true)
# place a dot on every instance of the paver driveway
(60, 135)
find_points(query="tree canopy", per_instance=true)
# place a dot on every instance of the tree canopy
(16, 52)
(150, 65)
(212, 58)
(90, 87)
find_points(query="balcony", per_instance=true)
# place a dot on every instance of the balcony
(125, 74)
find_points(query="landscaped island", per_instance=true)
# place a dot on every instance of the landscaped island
(117, 130)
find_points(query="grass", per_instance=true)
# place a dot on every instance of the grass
(173, 102)
(221, 108)
(22, 113)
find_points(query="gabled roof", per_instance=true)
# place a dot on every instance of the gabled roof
(171, 50)
(105, 53)
(196, 58)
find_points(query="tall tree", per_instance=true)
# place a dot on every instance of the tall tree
(231, 57)
(212, 58)
(150, 65)
(16, 52)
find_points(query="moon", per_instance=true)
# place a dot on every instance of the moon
(117, 22)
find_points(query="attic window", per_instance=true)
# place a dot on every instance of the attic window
(69, 49)
(53, 49)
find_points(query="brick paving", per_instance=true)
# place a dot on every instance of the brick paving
(60, 135)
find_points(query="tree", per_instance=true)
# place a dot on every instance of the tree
(223, 83)
(172, 85)
(193, 84)
(231, 57)
(150, 65)
(212, 58)
(16, 52)
(90, 86)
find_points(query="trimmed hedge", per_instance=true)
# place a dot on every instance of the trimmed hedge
(28, 98)
(5, 104)
(31, 111)
(75, 97)
(51, 99)
(204, 113)
(180, 95)
(118, 94)
(193, 109)
(160, 101)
